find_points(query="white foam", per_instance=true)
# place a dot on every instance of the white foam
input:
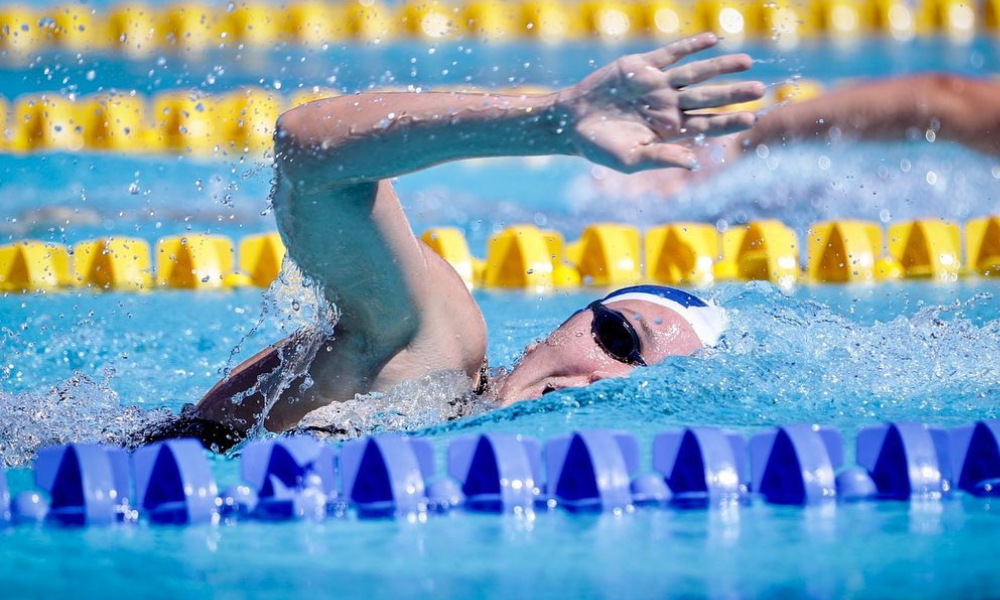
(430, 400)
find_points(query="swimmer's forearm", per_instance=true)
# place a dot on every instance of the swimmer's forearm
(375, 136)
(863, 112)
(954, 108)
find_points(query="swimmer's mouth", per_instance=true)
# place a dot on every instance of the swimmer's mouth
(549, 388)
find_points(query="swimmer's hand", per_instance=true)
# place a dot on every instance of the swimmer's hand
(637, 112)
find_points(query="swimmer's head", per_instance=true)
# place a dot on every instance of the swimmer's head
(627, 329)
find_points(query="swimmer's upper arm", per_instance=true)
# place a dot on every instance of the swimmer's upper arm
(394, 297)
(343, 223)
(352, 236)
(358, 246)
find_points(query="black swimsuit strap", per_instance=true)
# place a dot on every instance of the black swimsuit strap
(215, 436)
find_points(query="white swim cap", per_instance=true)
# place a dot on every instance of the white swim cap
(706, 318)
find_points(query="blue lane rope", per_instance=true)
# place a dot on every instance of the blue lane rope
(597, 470)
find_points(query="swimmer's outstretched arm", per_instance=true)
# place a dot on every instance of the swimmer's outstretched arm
(404, 312)
(628, 115)
(957, 108)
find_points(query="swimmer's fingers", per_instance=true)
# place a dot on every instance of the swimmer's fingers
(668, 123)
(718, 124)
(714, 96)
(663, 57)
(702, 70)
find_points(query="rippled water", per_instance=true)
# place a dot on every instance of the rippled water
(869, 355)
(839, 355)
(82, 366)
(833, 354)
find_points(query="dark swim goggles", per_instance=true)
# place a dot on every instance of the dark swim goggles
(615, 335)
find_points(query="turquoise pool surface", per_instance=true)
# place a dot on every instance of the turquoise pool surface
(91, 367)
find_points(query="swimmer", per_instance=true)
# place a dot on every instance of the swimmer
(403, 311)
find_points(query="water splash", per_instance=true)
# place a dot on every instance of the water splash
(801, 185)
(788, 359)
(79, 409)
(298, 305)
(430, 400)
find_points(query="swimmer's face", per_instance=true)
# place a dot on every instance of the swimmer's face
(571, 357)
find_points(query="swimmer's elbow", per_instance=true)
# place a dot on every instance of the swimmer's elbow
(291, 138)
(300, 153)
(314, 145)
(308, 134)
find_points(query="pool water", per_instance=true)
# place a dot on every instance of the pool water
(846, 356)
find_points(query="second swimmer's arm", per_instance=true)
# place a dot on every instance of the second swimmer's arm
(954, 107)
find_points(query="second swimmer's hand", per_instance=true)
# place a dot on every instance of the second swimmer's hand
(634, 113)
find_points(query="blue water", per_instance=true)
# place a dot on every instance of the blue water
(847, 356)
(885, 551)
